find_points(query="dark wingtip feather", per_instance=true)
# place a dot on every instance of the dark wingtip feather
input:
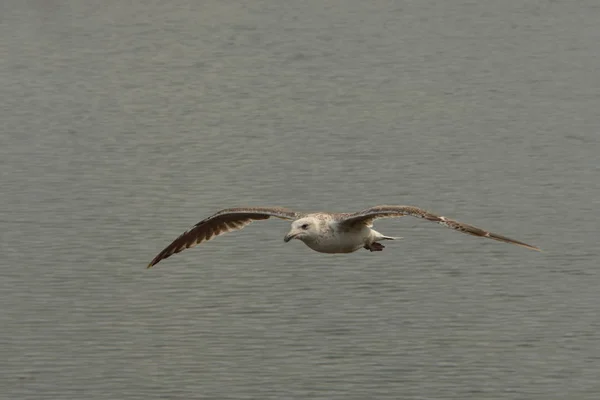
(173, 248)
(155, 261)
(527, 246)
(505, 239)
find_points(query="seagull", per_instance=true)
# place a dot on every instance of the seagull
(322, 232)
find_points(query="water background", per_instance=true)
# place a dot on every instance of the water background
(123, 123)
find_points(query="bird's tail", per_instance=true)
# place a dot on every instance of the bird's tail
(391, 238)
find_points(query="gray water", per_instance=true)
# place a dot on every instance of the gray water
(123, 123)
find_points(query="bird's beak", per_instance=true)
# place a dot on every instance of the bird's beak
(290, 236)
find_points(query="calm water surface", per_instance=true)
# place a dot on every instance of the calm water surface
(123, 123)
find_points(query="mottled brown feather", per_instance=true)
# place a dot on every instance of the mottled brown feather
(224, 221)
(368, 215)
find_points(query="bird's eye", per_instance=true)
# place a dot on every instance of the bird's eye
(305, 226)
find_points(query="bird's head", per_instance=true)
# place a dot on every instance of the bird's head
(304, 229)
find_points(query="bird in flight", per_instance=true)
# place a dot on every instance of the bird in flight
(322, 232)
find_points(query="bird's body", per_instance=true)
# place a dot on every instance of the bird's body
(334, 237)
(322, 232)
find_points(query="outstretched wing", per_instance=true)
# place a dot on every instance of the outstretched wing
(367, 216)
(227, 220)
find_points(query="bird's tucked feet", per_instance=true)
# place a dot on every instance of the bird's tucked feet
(374, 246)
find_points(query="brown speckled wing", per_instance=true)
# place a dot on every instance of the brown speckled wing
(227, 220)
(367, 216)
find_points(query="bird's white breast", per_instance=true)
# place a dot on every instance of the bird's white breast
(341, 241)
